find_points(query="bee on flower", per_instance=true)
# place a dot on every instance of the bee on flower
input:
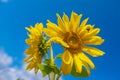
(76, 37)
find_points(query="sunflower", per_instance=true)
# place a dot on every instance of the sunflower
(76, 38)
(37, 48)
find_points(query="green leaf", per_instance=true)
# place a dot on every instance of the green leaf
(47, 61)
(82, 74)
(56, 70)
(41, 66)
(59, 56)
(45, 69)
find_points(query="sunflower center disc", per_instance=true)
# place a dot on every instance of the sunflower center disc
(73, 40)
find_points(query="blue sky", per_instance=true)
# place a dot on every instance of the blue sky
(15, 15)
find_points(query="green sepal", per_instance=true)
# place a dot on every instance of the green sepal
(47, 61)
(84, 73)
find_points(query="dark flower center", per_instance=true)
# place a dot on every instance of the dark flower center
(73, 40)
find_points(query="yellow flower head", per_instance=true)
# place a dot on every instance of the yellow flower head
(37, 48)
(75, 36)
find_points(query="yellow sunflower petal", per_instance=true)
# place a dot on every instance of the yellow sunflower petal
(92, 33)
(67, 62)
(65, 18)
(28, 58)
(66, 22)
(58, 40)
(83, 31)
(53, 27)
(73, 17)
(67, 57)
(31, 50)
(29, 29)
(30, 66)
(77, 22)
(49, 32)
(87, 29)
(60, 22)
(86, 66)
(39, 26)
(29, 35)
(73, 21)
(83, 24)
(78, 63)
(93, 51)
(66, 68)
(94, 40)
(83, 57)
(53, 30)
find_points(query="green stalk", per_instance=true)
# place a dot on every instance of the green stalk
(59, 75)
(52, 62)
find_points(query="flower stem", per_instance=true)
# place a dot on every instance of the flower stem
(49, 76)
(59, 75)
(52, 62)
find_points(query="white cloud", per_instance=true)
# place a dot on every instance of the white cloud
(5, 1)
(5, 60)
(13, 73)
